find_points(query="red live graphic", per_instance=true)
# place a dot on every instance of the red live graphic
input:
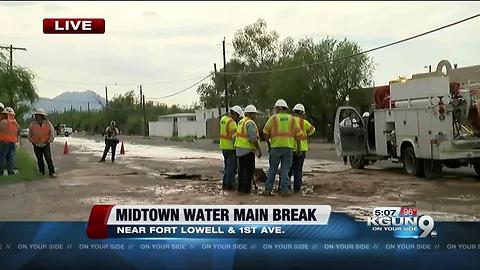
(73, 26)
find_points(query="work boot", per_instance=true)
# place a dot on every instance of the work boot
(53, 175)
(101, 160)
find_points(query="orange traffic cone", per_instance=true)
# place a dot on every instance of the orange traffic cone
(122, 150)
(65, 149)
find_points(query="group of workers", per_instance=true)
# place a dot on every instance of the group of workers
(286, 135)
(40, 133)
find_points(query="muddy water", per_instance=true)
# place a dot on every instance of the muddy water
(179, 154)
(356, 192)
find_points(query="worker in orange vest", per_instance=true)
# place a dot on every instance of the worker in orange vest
(41, 134)
(8, 138)
(2, 107)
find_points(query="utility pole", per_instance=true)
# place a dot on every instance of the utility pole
(144, 118)
(88, 107)
(225, 74)
(142, 107)
(141, 96)
(11, 49)
(218, 92)
(106, 97)
(71, 112)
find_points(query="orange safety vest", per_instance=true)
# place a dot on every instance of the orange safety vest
(40, 134)
(11, 132)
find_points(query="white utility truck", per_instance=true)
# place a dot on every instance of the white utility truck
(65, 131)
(425, 122)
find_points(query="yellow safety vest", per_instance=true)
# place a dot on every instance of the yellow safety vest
(282, 130)
(242, 141)
(228, 128)
(307, 129)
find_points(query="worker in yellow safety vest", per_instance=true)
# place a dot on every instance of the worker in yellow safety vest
(281, 132)
(228, 130)
(41, 134)
(246, 146)
(297, 165)
(8, 138)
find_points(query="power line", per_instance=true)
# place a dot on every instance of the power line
(183, 90)
(352, 55)
(119, 84)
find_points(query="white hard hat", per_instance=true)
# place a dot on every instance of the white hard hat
(250, 109)
(299, 107)
(39, 111)
(281, 103)
(237, 109)
(8, 110)
(366, 114)
(1, 105)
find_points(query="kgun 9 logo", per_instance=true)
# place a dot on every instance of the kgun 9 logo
(384, 221)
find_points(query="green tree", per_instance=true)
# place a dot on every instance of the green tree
(17, 88)
(256, 48)
(323, 87)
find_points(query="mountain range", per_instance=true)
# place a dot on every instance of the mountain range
(78, 100)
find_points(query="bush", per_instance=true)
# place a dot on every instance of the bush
(26, 166)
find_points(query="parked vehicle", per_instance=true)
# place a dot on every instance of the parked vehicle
(65, 131)
(24, 133)
(425, 123)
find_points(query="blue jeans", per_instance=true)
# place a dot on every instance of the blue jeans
(277, 156)
(230, 168)
(7, 155)
(297, 170)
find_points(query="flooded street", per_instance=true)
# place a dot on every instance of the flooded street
(160, 172)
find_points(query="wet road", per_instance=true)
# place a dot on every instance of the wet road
(142, 177)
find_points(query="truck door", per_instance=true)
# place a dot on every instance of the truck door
(350, 137)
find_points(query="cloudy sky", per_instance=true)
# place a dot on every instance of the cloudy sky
(167, 46)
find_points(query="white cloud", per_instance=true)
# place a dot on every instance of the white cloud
(157, 41)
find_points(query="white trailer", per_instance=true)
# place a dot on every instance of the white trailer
(424, 126)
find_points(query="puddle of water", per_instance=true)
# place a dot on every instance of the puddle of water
(183, 155)
(140, 150)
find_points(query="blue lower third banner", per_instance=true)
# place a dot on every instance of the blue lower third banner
(386, 239)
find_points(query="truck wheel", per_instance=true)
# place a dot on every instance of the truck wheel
(432, 168)
(357, 162)
(411, 164)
